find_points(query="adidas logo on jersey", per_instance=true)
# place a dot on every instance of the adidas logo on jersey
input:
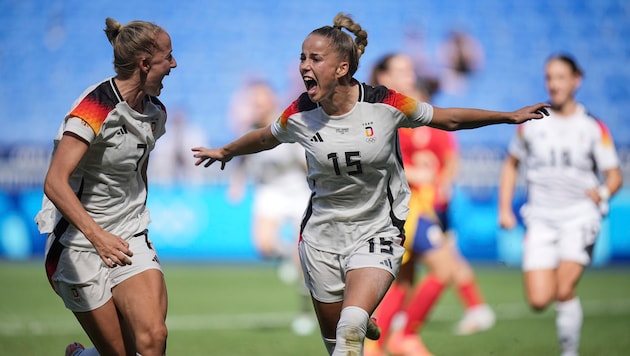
(317, 138)
(122, 130)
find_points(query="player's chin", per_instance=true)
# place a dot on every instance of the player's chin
(314, 97)
(154, 90)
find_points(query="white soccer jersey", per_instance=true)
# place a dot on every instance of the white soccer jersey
(563, 157)
(279, 176)
(355, 169)
(282, 168)
(108, 181)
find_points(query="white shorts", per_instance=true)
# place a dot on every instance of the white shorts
(288, 204)
(84, 282)
(325, 272)
(547, 243)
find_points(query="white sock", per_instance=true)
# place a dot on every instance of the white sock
(569, 325)
(351, 330)
(330, 345)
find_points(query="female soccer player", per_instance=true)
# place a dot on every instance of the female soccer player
(352, 231)
(99, 258)
(566, 200)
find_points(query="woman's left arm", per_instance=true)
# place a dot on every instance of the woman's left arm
(452, 119)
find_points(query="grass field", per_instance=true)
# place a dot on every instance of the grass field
(234, 310)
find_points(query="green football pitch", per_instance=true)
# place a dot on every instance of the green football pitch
(234, 310)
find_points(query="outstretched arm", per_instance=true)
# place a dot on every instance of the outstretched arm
(252, 142)
(451, 119)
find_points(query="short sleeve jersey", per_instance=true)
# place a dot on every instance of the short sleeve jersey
(563, 157)
(355, 169)
(108, 180)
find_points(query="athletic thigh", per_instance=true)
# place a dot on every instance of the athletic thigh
(568, 275)
(103, 327)
(364, 288)
(140, 288)
(325, 272)
(540, 287)
(142, 300)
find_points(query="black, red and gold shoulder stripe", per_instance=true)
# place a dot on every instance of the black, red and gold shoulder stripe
(96, 105)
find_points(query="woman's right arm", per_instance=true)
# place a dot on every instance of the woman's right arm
(254, 141)
(71, 149)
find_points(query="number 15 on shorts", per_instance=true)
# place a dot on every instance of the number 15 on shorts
(384, 246)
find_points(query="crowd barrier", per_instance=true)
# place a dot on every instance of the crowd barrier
(199, 223)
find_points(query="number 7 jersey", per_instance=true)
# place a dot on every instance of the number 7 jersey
(355, 169)
(109, 180)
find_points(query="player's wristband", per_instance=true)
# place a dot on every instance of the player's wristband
(604, 193)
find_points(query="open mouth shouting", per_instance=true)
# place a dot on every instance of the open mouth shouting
(310, 84)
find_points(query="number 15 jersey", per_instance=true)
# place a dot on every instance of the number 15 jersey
(355, 169)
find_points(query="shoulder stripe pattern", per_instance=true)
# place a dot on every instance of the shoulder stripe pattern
(96, 105)
(606, 139)
(381, 94)
(606, 136)
(403, 103)
(303, 103)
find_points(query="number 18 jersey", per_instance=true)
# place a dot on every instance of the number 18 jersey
(563, 157)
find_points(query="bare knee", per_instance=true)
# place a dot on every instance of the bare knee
(538, 305)
(541, 288)
(153, 340)
(565, 293)
(539, 300)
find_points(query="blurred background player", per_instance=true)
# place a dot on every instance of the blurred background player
(460, 56)
(280, 194)
(564, 155)
(430, 157)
